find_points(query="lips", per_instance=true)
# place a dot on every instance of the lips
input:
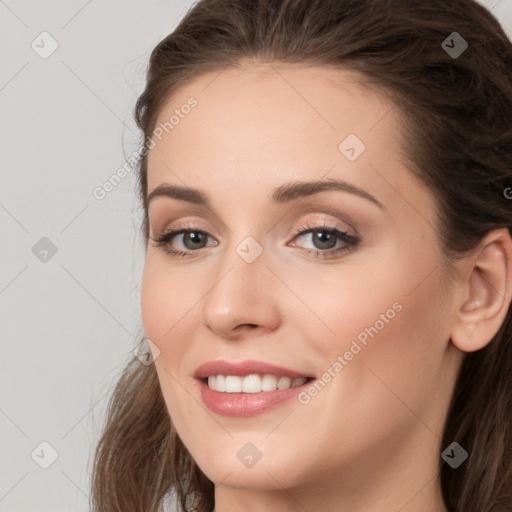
(243, 368)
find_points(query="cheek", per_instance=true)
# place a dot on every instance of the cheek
(409, 360)
(151, 304)
(391, 319)
(393, 376)
(162, 306)
(396, 343)
(161, 301)
(348, 302)
(169, 301)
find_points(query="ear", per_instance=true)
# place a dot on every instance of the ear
(487, 292)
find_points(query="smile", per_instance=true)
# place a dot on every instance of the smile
(246, 404)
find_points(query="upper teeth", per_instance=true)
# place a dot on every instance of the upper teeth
(253, 383)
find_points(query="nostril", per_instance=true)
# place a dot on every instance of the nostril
(248, 327)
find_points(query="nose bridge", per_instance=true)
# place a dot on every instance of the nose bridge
(244, 252)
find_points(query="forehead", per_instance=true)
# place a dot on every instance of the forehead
(270, 123)
(271, 105)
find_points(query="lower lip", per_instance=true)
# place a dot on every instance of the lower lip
(245, 405)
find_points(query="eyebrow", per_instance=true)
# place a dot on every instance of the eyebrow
(283, 194)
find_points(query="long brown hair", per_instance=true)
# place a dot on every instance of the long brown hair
(457, 137)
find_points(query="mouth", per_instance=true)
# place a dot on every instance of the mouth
(251, 395)
(248, 388)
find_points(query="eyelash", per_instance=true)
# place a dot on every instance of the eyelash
(352, 242)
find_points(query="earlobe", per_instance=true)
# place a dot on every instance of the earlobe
(487, 292)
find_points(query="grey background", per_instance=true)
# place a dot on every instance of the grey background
(71, 322)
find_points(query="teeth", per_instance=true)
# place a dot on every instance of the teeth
(253, 383)
(220, 382)
(284, 383)
(269, 383)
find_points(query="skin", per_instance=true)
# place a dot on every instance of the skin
(370, 440)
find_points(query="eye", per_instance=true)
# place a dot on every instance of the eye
(325, 238)
(193, 240)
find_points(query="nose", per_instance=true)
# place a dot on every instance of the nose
(242, 297)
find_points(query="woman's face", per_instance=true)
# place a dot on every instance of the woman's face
(368, 317)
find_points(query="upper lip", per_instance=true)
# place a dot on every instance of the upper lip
(243, 368)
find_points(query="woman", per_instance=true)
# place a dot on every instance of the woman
(326, 193)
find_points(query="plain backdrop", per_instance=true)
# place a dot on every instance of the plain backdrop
(70, 267)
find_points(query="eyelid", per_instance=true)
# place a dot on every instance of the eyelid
(321, 221)
(319, 212)
(345, 212)
(177, 225)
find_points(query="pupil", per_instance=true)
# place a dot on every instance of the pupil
(320, 237)
(194, 236)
